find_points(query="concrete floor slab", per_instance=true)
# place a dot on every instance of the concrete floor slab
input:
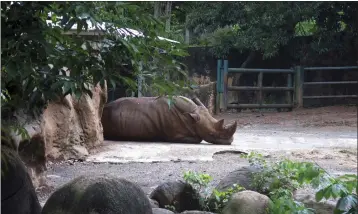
(244, 140)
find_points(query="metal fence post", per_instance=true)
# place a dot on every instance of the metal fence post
(299, 79)
(218, 85)
(259, 84)
(224, 81)
(140, 82)
(288, 93)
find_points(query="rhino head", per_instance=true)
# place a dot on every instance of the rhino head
(207, 127)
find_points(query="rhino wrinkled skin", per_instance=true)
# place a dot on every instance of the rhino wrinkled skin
(152, 119)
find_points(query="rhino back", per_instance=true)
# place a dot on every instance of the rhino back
(145, 118)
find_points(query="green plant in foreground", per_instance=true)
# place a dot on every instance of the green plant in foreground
(199, 181)
(280, 179)
(286, 204)
(218, 200)
(342, 187)
(170, 207)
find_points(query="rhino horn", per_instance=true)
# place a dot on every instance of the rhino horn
(231, 128)
(220, 124)
(198, 102)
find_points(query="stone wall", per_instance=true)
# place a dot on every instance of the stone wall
(67, 129)
(206, 94)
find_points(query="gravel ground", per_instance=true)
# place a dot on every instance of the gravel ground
(325, 121)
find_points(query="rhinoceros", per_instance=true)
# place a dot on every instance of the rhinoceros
(152, 119)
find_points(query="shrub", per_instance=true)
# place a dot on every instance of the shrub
(280, 179)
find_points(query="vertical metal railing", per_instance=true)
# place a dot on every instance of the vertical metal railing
(222, 87)
(294, 86)
(303, 83)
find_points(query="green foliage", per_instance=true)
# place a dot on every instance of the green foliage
(221, 41)
(44, 59)
(280, 179)
(342, 187)
(199, 181)
(215, 202)
(221, 198)
(265, 27)
(170, 207)
(284, 174)
(286, 204)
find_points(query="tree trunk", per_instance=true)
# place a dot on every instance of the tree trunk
(168, 13)
(187, 32)
(157, 5)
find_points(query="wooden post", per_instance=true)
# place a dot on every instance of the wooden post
(288, 93)
(259, 82)
(225, 73)
(299, 80)
(218, 84)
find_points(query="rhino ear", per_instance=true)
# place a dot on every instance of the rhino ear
(195, 117)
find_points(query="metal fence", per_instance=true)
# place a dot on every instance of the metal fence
(294, 88)
(301, 83)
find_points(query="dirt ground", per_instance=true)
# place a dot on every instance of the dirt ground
(339, 121)
(332, 116)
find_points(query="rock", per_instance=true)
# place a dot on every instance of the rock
(196, 212)
(241, 177)
(178, 194)
(71, 126)
(206, 94)
(98, 194)
(67, 129)
(161, 211)
(247, 202)
(80, 151)
(153, 203)
(17, 191)
(322, 207)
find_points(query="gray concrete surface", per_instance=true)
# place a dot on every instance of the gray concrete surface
(244, 140)
(149, 164)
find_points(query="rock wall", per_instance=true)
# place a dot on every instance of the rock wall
(206, 94)
(206, 91)
(67, 129)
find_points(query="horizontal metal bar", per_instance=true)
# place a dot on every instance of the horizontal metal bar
(259, 106)
(330, 83)
(254, 70)
(255, 88)
(330, 68)
(330, 96)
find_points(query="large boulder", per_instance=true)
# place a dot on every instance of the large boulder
(161, 211)
(153, 203)
(178, 194)
(247, 202)
(196, 212)
(67, 129)
(241, 176)
(100, 195)
(17, 191)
